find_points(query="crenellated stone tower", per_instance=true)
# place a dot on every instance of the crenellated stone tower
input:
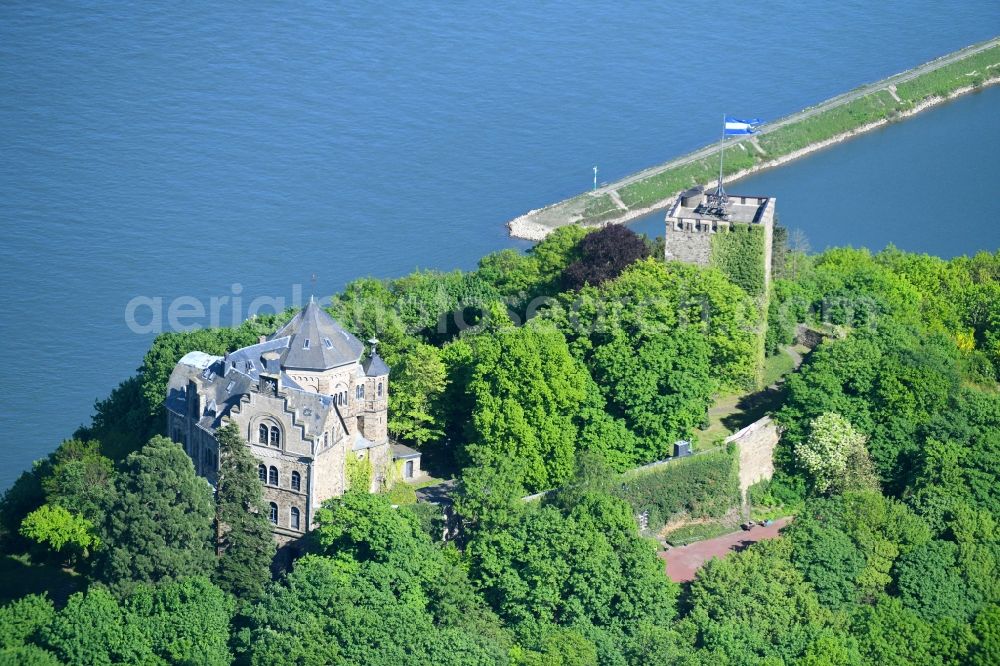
(693, 221)
(735, 234)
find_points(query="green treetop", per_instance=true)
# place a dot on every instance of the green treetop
(160, 524)
(243, 533)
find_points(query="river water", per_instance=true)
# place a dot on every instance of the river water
(182, 152)
(922, 184)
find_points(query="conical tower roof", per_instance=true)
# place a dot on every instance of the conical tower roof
(317, 341)
(374, 366)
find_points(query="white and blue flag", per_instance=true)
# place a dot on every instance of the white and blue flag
(737, 126)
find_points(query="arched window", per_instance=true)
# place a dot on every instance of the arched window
(274, 512)
(362, 387)
(272, 476)
(262, 473)
(294, 516)
(275, 436)
(262, 434)
(296, 481)
(380, 389)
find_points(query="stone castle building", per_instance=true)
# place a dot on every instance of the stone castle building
(695, 217)
(310, 406)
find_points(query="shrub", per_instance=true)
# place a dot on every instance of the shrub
(604, 255)
(702, 486)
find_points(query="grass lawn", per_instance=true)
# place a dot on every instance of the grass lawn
(777, 366)
(725, 407)
(20, 577)
(427, 482)
(731, 412)
(966, 72)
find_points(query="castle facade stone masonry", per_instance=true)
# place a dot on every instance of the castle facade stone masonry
(309, 404)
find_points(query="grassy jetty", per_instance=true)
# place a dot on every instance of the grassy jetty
(813, 128)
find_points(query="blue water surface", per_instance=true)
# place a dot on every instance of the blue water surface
(174, 150)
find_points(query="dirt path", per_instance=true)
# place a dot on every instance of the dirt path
(683, 562)
(794, 353)
(617, 199)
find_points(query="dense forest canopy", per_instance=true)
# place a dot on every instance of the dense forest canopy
(561, 369)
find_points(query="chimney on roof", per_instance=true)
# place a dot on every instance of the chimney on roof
(261, 339)
(271, 362)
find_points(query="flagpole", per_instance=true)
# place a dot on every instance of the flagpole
(722, 150)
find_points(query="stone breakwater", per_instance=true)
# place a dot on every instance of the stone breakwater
(571, 211)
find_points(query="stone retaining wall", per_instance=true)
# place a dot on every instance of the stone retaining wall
(756, 445)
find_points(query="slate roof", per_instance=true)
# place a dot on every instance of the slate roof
(222, 381)
(221, 386)
(361, 442)
(219, 389)
(316, 342)
(374, 365)
(403, 452)
(249, 361)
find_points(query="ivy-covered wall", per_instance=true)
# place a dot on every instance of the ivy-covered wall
(702, 486)
(358, 471)
(739, 254)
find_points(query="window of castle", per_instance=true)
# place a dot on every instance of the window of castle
(294, 516)
(296, 481)
(274, 512)
(262, 434)
(262, 473)
(272, 476)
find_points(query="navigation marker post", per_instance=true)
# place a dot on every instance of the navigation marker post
(595, 179)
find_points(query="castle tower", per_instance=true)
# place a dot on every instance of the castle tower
(320, 355)
(694, 221)
(374, 417)
(734, 234)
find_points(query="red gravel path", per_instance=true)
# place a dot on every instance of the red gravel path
(683, 562)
